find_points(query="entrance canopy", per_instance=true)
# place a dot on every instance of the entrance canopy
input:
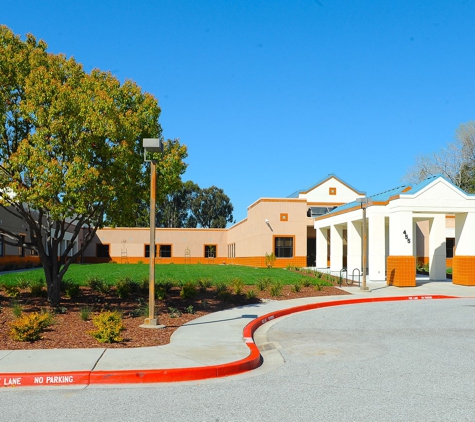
(391, 225)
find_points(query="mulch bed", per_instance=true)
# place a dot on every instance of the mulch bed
(69, 330)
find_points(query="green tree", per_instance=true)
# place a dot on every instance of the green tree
(175, 209)
(70, 151)
(212, 208)
(456, 161)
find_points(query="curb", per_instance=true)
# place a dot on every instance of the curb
(252, 361)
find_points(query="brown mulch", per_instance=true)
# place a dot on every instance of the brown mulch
(70, 331)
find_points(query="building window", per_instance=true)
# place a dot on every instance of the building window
(232, 250)
(449, 247)
(284, 217)
(284, 247)
(165, 251)
(2, 247)
(147, 250)
(102, 251)
(210, 251)
(332, 191)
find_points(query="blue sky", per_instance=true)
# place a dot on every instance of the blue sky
(272, 96)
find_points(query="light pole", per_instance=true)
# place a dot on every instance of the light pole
(151, 146)
(364, 203)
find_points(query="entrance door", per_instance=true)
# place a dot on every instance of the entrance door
(311, 251)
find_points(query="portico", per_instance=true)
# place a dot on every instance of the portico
(392, 218)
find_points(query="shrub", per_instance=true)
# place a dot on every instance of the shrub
(29, 327)
(297, 286)
(124, 287)
(98, 285)
(23, 283)
(189, 310)
(263, 283)
(276, 289)
(109, 326)
(251, 295)
(17, 309)
(204, 284)
(85, 313)
(270, 259)
(37, 288)
(174, 312)
(237, 285)
(188, 290)
(11, 291)
(160, 293)
(70, 288)
(167, 285)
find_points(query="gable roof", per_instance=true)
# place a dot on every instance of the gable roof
(315, 185)
(383, 198)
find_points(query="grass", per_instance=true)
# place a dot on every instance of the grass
(111, 273)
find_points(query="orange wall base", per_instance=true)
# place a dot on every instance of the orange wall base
(253, 261)
(401, 271)
(463, 270)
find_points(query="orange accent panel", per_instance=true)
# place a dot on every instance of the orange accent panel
(332, 191)
(284, 217)
(463, 270)
(401, 271)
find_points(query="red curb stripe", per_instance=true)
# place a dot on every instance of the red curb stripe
(252, 361)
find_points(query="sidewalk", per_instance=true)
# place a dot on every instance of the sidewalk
(217, 345)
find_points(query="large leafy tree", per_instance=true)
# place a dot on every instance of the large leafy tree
(70, 151)
(212, 208)
(456, 161)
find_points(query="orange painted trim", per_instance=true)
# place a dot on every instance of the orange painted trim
(284, 217)
(401, 271)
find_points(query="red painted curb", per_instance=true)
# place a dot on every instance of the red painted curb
(184, 374)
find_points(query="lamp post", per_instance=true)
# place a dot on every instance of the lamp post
(364, 203)
(151, 146)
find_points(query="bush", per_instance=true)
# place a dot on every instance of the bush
(276, 289)
(37, 288)
(98, 285)
(109, 326)
(70, 288)
(29, 327)
(263, 283)
(251, 295)
(204, 284)
(297, 286)
(188, 290)
(270, 259)
(125, 286)
(237, 285)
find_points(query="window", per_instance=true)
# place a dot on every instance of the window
(210, 251)
(284, 247)
(2, 247)
(449, 247)
(102, 251)
(232, 250)
(165, 251)
(147, 250)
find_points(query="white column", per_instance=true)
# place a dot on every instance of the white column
(437, 248)
(321, 254)
(376, 247)
(464, 231)
(354, 246)
(401, 233)
(336, 248)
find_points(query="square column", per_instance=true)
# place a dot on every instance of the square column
(336, 248)
(355, 253)
(322, 245)
(463, 263)
(377, 247)
(437, 248)
(401, 263)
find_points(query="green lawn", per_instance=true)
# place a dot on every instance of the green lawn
(80, 273)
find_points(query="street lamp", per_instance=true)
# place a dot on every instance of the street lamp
(150, 146)
(364, 203)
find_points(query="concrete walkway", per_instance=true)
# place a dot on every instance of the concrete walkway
(217, 345)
